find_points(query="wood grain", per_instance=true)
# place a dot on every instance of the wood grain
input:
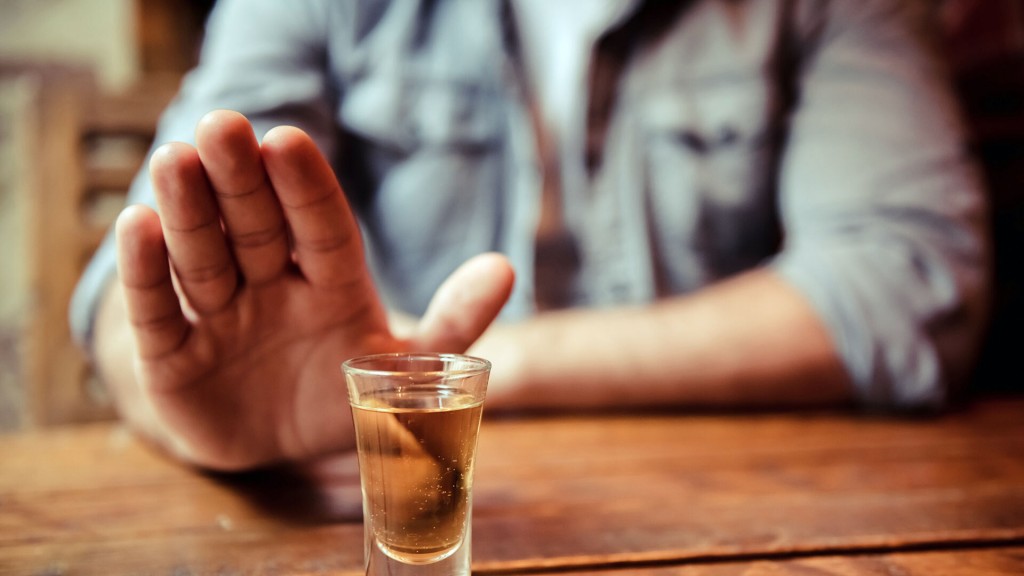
(703, 487)
(986, 561)
(701, 494)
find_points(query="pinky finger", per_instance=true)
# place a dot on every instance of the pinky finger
(154, 311)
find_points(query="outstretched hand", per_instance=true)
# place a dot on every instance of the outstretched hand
(249, 289)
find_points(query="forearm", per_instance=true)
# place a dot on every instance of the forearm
(748, 341)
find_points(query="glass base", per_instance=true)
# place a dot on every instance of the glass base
(456, 563)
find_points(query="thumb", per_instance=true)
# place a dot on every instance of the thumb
(465, 304)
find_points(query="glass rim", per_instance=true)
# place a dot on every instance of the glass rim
(474, 364)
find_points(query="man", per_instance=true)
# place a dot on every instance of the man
(712, 203)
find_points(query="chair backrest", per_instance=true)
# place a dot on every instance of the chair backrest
(85, 148)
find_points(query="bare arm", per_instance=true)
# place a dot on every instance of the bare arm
(749, 341)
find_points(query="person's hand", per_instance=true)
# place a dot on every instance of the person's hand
(249, 290)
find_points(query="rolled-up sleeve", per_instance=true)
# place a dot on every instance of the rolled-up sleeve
(264, 58)
(883, 208)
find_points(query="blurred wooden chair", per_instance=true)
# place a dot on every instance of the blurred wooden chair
(84, 148)
(81, 149)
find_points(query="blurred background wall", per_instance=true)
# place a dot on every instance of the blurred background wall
(96, 33)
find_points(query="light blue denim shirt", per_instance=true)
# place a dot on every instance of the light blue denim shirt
(817, 138)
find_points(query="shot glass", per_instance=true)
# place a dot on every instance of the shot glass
(417, 418)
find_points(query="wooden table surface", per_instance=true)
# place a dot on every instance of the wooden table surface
(673, 494)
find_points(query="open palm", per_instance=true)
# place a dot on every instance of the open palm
(250, 288)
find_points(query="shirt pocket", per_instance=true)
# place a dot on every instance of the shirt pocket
(710, 160)
(408, 114)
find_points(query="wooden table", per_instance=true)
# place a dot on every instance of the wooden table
(680, 494)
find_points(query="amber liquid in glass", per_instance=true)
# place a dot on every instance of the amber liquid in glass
(416, 454)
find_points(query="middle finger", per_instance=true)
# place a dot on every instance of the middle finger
(252, 215)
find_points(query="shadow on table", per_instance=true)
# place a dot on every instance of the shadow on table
(319, 493)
